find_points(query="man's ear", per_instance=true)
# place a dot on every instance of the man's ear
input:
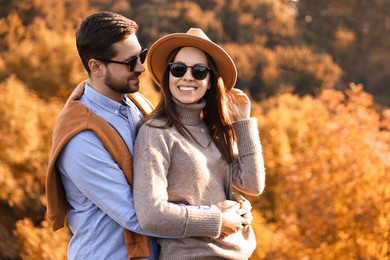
(97, 67)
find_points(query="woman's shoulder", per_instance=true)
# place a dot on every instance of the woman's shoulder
(155, 132)
(153, 126)
(158, 123)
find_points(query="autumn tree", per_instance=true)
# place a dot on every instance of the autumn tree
(257, 34)
(293, 69)
(45, 60)
(327, 163)
(41, 53)
(326, 153)
(26, 124)
(357, 35)
(59, 15)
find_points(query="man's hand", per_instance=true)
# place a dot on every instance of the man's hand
(245, 210)
(232, 221)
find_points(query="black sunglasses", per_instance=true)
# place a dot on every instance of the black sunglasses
(132, 61)
(178, 70)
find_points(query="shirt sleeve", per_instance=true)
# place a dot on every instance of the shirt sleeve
(98, 180)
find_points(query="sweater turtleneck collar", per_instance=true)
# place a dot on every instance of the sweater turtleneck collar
(189, 114)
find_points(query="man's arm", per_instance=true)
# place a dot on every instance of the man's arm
(96, 179)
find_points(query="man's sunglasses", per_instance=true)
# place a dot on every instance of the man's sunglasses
(132, 61)
(199, 72)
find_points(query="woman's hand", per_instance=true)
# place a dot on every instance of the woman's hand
(240, 104)
(245, 210)
(232, 221)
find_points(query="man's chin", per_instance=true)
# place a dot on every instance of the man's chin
(134, 87)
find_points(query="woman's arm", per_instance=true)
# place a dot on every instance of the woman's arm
(248, 169)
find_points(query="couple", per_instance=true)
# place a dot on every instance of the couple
(175, 166)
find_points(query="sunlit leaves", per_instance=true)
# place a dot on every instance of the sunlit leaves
(327, 155)
(19, 121)
(46, 61)
(26, 124)
(40, 242)
(327, 172)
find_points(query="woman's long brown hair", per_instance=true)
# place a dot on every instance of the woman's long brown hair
(215, 113)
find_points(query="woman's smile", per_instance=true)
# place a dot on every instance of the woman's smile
(187, 88)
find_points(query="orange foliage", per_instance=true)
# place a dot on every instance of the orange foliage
(45, 60)
(327, 156)
(26, 124)
(40, 243)
(327, 193)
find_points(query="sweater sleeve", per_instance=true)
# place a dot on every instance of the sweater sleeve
(248, 172)
(154, 210)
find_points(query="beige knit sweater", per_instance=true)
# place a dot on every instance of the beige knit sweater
(171, 171)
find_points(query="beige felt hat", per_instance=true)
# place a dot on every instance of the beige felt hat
(195, 37)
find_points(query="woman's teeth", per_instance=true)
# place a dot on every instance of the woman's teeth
(186, 88)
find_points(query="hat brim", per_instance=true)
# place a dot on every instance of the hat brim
(160, 50)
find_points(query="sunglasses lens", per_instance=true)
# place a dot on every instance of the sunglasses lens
(199, 72)
(142, 56)
(132, 63)
(178, 70)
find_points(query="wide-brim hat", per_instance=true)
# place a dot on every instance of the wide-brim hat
(157, 59)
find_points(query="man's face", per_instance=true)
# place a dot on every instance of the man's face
(118, 77)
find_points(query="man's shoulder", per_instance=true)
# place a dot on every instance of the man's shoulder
(141, 102)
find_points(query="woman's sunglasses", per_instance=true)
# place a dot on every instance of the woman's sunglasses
(199, 72)
(132, 61)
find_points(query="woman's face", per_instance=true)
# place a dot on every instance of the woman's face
(186, 88)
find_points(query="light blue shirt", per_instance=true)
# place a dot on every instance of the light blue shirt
(100, 198)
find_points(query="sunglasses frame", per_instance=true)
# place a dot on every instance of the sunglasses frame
(196, 76)
(132, 61)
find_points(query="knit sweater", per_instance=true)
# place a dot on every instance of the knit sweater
(170, 171)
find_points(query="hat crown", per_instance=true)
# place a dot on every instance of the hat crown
(199, 33)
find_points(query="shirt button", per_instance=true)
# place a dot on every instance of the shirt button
(116, 112)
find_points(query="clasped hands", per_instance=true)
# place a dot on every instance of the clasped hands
(236, 214)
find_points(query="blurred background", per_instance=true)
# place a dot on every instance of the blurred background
(317, 72)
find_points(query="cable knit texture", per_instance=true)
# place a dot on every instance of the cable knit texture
(171, 171)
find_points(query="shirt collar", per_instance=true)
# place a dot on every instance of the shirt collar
(101, 100)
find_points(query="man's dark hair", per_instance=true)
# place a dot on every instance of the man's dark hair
(97, 34)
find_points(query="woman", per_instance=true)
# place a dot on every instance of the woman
(186, 150)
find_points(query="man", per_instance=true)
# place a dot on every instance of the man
(90, 165)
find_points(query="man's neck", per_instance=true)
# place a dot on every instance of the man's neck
(106, 91)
